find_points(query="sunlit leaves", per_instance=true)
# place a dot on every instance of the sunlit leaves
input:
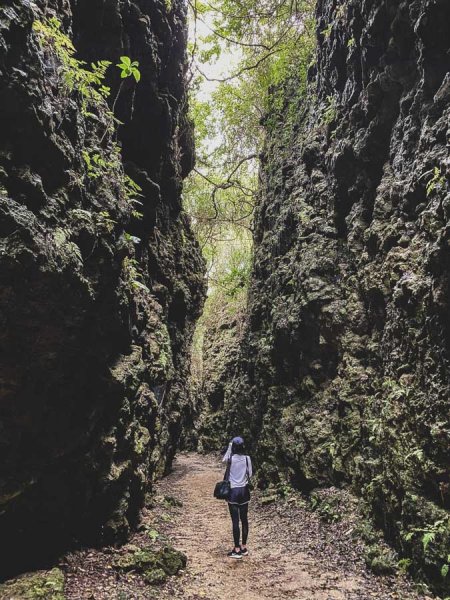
(129, 68)
(261, 43)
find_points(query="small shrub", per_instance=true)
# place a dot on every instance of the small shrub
(326, 509)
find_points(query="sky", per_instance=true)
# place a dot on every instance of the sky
(224, 66)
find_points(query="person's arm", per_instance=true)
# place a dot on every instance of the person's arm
(250, 468)
(227, 455)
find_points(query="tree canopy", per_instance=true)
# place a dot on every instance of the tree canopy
(239, 50)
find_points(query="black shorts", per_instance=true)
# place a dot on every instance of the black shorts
(239, 495)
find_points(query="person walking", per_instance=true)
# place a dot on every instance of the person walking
(240, 471)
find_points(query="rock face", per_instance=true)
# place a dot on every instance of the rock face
(98, 294)
(223, 326)
(344, 373)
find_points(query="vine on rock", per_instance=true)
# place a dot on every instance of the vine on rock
(89, 84)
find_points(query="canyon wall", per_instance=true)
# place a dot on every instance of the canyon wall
(343, 376)
(223, 326)
(101, 280)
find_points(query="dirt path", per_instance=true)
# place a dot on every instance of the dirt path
(274, 569)
(296, 558)
(293, 553)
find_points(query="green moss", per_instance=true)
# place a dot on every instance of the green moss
(129, 368)
(380, 560)
(155, 576)
(48, 585)
(269, 499)
(155, 565)
(160, 350)
(172, 560)
(141, 440)
(171, 501)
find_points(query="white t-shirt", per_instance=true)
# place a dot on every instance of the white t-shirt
(238, 469)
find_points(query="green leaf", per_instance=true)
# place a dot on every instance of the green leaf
(444, 570)
(153, 534)
(137, 75)
(138, 284)
(427, 538)
(126, 60)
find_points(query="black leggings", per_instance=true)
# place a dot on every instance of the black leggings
(236, 511)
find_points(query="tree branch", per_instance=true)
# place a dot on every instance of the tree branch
(240, 72)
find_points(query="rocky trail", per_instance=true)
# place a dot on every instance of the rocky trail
(293, 552)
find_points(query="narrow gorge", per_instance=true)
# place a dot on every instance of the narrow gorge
(331, 358)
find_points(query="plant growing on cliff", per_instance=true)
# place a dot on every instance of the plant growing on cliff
(129, 68)
(132, 275)
(77, 76)
(105, 221)
(445, 567)
(326, 32)
(428, 536)
(329, 111)
(108, 164)
(89, 83)
(437, 180)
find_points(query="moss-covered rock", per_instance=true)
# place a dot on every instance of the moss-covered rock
(154, 565)
(381, 560)
(172, 560)
(98, 299)
(154, 576)
(42, 585)
(172, 501)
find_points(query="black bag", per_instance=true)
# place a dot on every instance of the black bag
(223, 488)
